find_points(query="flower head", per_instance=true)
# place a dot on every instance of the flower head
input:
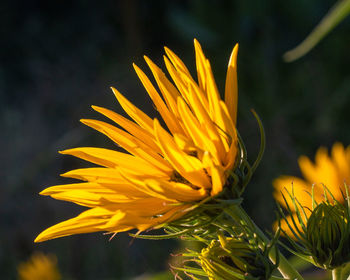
(39, 266)
(164, 169)
(327, 171)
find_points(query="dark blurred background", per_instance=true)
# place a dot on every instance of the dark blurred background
(59, 57)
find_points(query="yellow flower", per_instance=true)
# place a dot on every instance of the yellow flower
(39, 267)
(165, 170)
(329, 171)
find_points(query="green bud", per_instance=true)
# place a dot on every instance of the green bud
(328, 235)
(229, 258)
(320, 235)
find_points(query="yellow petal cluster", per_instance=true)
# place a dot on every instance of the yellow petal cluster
(39, 267)
(331, 171)
(167, 166)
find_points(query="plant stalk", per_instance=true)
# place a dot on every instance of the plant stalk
(337, 273)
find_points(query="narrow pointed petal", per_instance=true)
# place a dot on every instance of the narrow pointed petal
(180, 83)
(176, 61)
(91, 199)
(115, 159)
(131, 127)
(89, 187)
(88, 221)
(130, 143)
(168, 116)
(136, 114)
(231, 86)
(200, 64)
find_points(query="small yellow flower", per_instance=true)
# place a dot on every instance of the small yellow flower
(165, 170)
(39, 267)
(327, 171)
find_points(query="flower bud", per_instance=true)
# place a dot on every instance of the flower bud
(231, 258)
(328, 235)
(320, 235)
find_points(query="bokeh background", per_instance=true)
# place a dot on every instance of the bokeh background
(59, 57)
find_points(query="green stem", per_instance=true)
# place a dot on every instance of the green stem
(337, 273)
(345, 271)
(284, 267)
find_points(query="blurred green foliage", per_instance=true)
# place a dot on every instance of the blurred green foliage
(336, 14)
(59, 57)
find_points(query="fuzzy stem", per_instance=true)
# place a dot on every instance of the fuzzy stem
(337, 274)
(284, 267)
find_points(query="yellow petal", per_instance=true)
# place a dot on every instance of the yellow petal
(206, 122)
(90, 187)
(123, 192)
(217, 175)
(168, 116)
(189, 167)
(142, 186)
(341, 162)
(88, 221)
(100, 156)
(200, 64)
(197, 132)
(129, 220)
(176, 61)
(130, 143)
(136, 114)
(131, 127)
(322, 172)
(180, 83)
(89, 199)
(115, 159)
(94, 174)
(177, 191)
(184, 143)
(146, 207)
(231, 86)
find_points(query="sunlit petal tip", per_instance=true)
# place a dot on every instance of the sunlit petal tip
(114, 90)
(86, 121)
(151, 64)
(96, 108)
(38, 239)
(197, 46)
(136, 68)
(44, 192)
(166, 49)
(64, 152)
(233, 58)
(66, 174)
